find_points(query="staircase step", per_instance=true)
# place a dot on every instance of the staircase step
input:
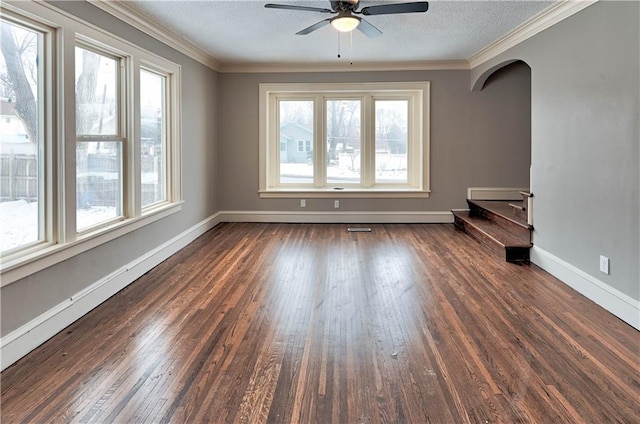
(503, 214)
(494, 236)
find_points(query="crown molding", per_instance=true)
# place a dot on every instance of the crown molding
(545, 19)
(127, 14)
(436, 65)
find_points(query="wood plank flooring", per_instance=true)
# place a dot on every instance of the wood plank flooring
(297, 323)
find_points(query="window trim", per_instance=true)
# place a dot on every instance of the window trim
(63, 242)
(269, 94)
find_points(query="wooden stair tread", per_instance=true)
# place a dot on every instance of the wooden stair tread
(493, 231)
(503, 209)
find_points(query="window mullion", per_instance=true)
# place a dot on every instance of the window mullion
(46, 94)
(171, 156)
(319, 141)
(274, 134)
(367, 153)
(132, 195)
(67, 175)
(414, 147)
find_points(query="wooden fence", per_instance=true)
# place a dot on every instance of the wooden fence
(18, 177)
(19, 180)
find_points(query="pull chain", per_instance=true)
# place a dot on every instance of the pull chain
(351, 48)
(338, 44)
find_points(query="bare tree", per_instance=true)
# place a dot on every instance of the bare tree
(391, 127)
(26, 107)
(86, 92)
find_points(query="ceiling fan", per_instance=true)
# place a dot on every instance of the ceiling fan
(345, 21)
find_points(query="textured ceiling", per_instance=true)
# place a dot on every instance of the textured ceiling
(244, 32)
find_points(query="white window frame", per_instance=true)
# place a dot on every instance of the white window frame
(122, 136)
(62, 240)
(418, 95)
(172, 118)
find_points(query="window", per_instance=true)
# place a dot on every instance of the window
(117, 125)
(160, 98)
(153, 132)
(343, 141)
(359, 140)
(295, 121)
(392, 129)
(99, 137)
(24, 144)
(304, 145)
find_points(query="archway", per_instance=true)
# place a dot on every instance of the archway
(510, 81)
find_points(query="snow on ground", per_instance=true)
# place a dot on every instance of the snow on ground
(19, 221)
(303, 172)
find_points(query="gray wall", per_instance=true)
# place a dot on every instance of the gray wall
(477, 139)
(585, 79)
(26, 299)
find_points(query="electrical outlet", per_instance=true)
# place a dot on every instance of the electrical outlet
(303, 203)
(336, 204)
(604, 264)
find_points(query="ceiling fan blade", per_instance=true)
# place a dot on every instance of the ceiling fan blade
(292, 7)
(314, 27)
(368, 29)
(390, 9)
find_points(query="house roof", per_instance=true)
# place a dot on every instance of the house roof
(293, 125)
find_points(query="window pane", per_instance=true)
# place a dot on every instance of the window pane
(296, 132)
(153, 136)
(21, 200)
(391, 141)
(96, 94)
(343, 141)
(98, 182)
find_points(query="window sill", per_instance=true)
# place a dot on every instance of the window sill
(344, 194)
(13, 270)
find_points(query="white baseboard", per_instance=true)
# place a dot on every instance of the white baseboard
(495, 193)
(338, 217)
(23, 340)
(619, 304)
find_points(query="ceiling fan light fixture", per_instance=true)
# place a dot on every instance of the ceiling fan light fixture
(345, 23)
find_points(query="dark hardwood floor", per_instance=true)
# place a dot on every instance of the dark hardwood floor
(310, 324)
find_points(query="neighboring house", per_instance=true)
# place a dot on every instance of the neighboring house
(295, 143)
(13, 136)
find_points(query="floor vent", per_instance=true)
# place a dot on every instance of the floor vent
(358, 229)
